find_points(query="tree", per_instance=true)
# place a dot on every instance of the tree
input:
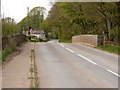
(33, 19)
(8, 26)
(75, 18)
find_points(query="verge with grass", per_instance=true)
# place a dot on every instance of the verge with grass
(7, 51)
(110, 48)
(66, 41)
(0, 57)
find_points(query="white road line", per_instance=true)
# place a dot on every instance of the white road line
(62, 45)
(113, 73)
(87, 59)
(70, 50)
(90, 60)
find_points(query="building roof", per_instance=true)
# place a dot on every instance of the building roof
(37, 32)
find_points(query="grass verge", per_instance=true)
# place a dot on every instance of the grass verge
(7, 51)
(0, 57)
(66, 41)
(110, 48)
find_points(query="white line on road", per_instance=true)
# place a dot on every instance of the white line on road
(62, 45)
(97, 64)
(87, 59)
(70, 50)
(90, 60)
(113, 73)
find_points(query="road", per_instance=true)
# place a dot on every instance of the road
(75, 66)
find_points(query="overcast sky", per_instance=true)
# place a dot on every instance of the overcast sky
(17, 9)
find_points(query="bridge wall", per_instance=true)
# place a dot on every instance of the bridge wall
(91, 40)
(13, 40)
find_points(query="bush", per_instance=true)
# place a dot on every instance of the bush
(44, 40)
(34, 40)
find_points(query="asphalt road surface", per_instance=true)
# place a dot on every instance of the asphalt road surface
(75, 66)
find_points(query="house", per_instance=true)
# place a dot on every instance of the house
(36, 33)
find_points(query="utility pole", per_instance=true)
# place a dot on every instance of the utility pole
(28, 15)
(0, 10)
(28, 21)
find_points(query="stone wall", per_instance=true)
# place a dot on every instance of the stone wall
(91, 40)
(13, 40)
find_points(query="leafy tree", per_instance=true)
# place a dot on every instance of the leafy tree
(76, 18)
(8, 26)
(33, 19)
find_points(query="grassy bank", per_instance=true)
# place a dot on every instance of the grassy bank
(110, 48)
(0, 57)
(66, 41)
(7, 51)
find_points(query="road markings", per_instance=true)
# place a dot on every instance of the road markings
(87, 59)
(70, 50)
(90, 60)
(113, 73)
(62, 45)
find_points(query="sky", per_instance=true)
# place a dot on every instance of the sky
(17, 9)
